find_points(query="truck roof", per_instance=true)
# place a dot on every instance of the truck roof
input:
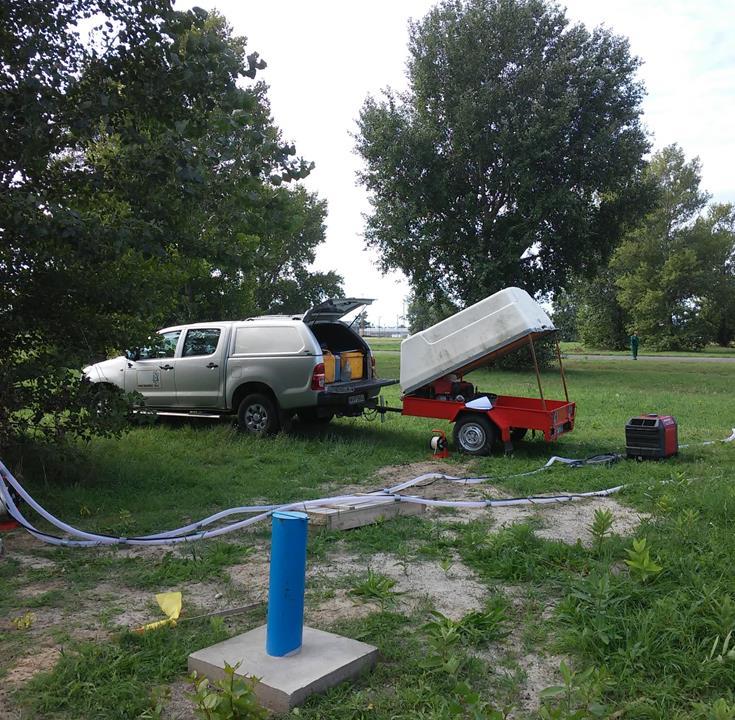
(330, 310)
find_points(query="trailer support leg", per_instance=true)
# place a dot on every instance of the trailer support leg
(538, 374)
(561, 370)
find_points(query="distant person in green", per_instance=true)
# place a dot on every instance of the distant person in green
(634, 345)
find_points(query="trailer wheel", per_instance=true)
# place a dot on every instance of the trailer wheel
(474, 434)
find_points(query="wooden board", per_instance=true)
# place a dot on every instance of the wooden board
(348, 515)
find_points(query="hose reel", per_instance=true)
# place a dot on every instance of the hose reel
(439, 445)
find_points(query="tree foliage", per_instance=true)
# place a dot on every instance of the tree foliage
(142, 182)
(564, 312)
(294, 227)
(423, 312)
(675, 272)
(602, 322)
(514, 156)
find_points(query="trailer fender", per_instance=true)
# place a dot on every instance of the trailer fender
(488, 414)
(503, 432)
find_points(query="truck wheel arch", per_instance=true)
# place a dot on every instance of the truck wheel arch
(248, 388)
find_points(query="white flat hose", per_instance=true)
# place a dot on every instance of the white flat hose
(195, 531)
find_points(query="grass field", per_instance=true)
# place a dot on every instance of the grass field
(576, 348)
(714, 351)
(644, 631)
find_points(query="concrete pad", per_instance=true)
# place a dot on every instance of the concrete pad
(325, 660)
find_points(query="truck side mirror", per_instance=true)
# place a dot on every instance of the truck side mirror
(133, 354)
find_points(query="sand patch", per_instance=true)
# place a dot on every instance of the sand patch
(453, 593)
(39, 660)
(251, 577)
(340, 607)
(177, 705)
(569, 521)
(565, 521)
(6, 711)
(34, 590)
(141, 607)
(394, 474)
(541, 671)
(125, 607)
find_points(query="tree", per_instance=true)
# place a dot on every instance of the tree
(514, 157)
(674, 272)
(423, 312)
(714, 236)
(362, 322)
(141, 177)
(294, 227)
(564, 311)
(601, 320)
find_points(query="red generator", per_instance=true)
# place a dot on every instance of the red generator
(651, 437)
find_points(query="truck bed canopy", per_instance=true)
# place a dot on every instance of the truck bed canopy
(472, 337)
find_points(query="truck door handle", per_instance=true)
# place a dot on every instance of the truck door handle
(212, 366)
(166, 367)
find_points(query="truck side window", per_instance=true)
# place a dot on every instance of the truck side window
(202, 341)
(164, 347)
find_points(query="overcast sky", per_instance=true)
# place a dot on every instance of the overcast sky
(324, 57)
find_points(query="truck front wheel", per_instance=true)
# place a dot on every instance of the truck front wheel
(474, 434)
(257, 415)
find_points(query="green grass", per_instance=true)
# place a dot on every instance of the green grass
(112, 680)
(654, 636)
(577, 348)
(384, 343)
(411, 680)
(199, 562)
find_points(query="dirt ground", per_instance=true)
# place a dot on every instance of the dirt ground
(450, 587)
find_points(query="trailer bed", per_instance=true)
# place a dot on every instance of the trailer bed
(550, 417)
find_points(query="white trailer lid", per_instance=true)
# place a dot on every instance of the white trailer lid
(489, 328)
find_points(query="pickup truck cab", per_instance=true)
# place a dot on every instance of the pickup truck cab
(263, 369)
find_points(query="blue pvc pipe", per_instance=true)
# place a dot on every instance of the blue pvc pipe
(287, 579)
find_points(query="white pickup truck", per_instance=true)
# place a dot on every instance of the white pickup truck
(264, 369)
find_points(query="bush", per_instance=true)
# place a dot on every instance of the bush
(521, 358)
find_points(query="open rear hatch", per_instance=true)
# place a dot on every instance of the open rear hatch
(347, 366)
(334, 309)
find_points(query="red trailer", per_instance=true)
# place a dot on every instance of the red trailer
(434, 363)
(507, 419)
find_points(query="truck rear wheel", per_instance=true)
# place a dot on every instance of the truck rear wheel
(257, 415)
(474, 434)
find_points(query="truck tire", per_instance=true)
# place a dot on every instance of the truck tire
(310, 416)
(257, 415)
(474, 434)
